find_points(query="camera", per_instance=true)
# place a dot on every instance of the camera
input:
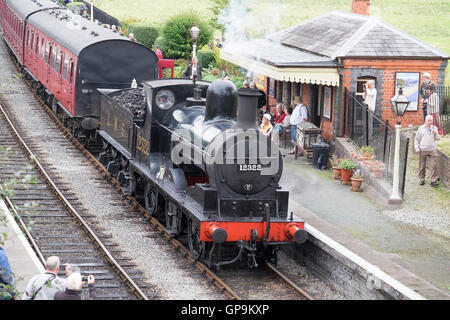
(84, 279)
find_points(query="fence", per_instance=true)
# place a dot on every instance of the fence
(366, 128)
(102, 16)
(444, 107)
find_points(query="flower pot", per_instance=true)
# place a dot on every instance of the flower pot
(356, 184)
(378, 172)
(336, 173)
(364, 158)
(370, 161)
(346, 175)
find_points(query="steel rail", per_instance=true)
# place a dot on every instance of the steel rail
(178, 245)
(121, 272)
(291, 284)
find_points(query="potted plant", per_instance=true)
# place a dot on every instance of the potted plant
(347, 167)
(357, 180)
(335, 166)
(367, 153)
(378, 170)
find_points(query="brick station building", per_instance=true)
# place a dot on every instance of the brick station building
(321, 58)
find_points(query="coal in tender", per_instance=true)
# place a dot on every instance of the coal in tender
(133, 100)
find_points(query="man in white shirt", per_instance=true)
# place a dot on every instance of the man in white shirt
(299, 115)
(426, 146)
(370, 98)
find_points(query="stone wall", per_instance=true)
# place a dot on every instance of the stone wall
(443, 168)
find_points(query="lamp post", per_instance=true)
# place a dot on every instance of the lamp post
(399, 103)
(92, 9)
(195, 31)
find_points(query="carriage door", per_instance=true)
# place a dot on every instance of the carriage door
(48, 48)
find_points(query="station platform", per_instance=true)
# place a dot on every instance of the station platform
(418, 259)
(23, 261)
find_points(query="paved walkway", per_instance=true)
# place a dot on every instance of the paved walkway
(363, 216)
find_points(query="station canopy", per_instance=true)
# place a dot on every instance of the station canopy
(281, 62)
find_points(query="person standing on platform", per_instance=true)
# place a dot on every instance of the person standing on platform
(7, 287)
(370, 98)
(44, 286)
(433, 108)
(299, 115)
(262, 101)
(426, 146)
(427, 83)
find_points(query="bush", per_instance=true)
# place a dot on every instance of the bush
(176, 42)
(206, 58)
(125, 24)
(75, 6)
(144, 33)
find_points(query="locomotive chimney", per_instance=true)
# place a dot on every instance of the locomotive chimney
(221, 100)
(247, 106)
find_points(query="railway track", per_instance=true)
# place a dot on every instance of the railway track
(56, 226)
(227, 281)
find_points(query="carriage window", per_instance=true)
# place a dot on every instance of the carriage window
(28, 37)
(71, 71)
(42, 48)
(32, 41)
(47, 51)
(58, 62)
(53, 58)
(66, 66)
(36, 48)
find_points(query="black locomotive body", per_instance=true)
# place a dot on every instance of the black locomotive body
(202, 165)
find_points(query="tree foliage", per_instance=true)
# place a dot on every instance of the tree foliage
(176, 40)
(218, 6)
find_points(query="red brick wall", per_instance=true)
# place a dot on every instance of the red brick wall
(390, 67)
(361, 7)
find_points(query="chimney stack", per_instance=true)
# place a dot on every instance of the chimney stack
(361, 7)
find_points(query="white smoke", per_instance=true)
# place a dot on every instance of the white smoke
(249, 19)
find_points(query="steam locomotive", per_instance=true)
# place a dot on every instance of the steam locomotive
(194, 151)
(191, 149)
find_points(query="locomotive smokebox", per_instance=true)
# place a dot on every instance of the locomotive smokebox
(221, 101)
(247, 106)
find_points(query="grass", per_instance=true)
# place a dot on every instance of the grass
(427, 20)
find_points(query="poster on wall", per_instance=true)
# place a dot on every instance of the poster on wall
(327, 102)
(272, 87)
(259, 81)
(409, 82)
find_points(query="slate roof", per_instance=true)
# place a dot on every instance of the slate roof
(345, 34)
(278, 55)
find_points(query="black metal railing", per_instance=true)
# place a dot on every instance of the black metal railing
(444, 108)
(365, 128)
(102, 16)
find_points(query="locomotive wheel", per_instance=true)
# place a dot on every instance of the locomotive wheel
(196, 246)
(151, 199)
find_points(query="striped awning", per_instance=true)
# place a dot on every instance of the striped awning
(283, 63)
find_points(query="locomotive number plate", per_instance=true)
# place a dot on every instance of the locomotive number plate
(249, 167)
